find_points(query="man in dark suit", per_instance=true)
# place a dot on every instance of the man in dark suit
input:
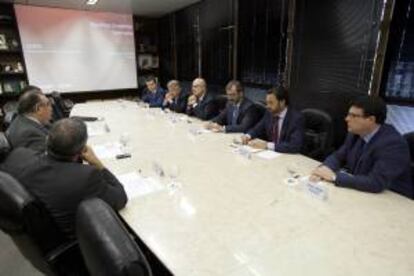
(175, 99)
(153, 94)
(374, 155)
(58, 180)
(240, 113)
(201, 104)
(281, 129)
(28, 129)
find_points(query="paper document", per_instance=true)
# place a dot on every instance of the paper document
(97, 128)
(268, 154)
(245, 148)
(108, 150)
(135, 185)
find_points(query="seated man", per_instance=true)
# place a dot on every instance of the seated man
(240, 113)
(201, 104)
(175, 99)
(374, 155)
(282, 127)
(60, 182)
(28, 129)
(153, 94)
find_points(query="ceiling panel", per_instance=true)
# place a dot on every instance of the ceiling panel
(150, 8)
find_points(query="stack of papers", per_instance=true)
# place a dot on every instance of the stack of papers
(135, 185)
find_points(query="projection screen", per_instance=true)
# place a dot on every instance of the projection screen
(77, 51)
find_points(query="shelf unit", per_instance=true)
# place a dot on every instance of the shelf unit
(13, 77)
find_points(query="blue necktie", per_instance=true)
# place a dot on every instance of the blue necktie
(235, 115)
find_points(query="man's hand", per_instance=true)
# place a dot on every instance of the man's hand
(192, 100)
(89, 156)
(169, 97)
(258, 144)
(214, 127)
(322, 173)
(245, 139)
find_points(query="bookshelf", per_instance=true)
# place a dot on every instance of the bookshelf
(13, 77)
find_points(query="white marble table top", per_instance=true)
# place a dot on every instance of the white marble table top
(237, 216)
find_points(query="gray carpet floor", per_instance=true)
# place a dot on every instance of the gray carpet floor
(12, 263)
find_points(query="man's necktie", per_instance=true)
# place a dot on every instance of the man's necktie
(360, 147)
(235, 115)
(275, 129)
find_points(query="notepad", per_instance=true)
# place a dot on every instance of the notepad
(108, 150)
(135, 185)
(97, 128)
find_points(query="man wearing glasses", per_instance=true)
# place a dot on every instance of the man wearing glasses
(374, 155)
(28, 129)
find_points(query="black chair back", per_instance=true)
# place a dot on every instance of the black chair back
(10, 113)
(409, 137)
(318, 133)
(106, 245)
(5, 146)
(30, 226)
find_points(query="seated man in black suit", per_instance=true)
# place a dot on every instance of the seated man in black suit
(201, 104)
(374, 155)
(175, 99)
(28, 129)
(58, 180)
(240, 113)
(281, 129)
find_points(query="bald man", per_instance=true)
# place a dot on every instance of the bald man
(201, 104)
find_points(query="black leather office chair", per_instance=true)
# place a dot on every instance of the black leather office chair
(318, 133)
(106, 245)
(10, 112)
(410, 140)
(32, 230)
(5, 146)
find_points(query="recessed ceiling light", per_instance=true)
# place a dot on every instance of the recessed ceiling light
(91, 2)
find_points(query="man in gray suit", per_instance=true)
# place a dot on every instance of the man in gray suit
(58, 180)
(28, 129)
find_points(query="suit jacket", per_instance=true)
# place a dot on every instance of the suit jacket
(154, 99)
(179, 105)
(62, 185)
(291, 134)
(24, 132)
(247, 118)
(384, 163)
(206, 109)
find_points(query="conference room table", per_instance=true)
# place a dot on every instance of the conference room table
(226, 213)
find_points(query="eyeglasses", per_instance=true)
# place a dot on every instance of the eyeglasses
(353, 115)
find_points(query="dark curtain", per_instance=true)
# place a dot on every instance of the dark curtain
(261, 45)
(334, 47)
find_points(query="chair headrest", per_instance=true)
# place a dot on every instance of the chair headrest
(317, 120)
(106, 245)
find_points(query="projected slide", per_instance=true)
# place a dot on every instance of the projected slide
(77, 51)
